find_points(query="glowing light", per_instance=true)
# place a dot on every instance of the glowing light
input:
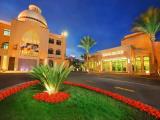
(50, 88)
(113, 53)
(24, 69)
(129, 61)
(65, 33)
(147, 72)
(5, 63)
(121, 58)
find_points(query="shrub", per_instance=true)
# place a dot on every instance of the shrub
(51, 77)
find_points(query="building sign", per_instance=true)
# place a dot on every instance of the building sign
(113, 53)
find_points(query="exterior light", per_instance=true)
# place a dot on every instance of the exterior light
(129, 61)
(147, 72)
(65, 33)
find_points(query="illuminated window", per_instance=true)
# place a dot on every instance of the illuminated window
(58, 52)
(30, 44)
(51, 41)
(106, 66)
(146, 64)
(5, 45)
(119, 65)
(138, 64)
(50, 51)
(6, 32)
(58, 42)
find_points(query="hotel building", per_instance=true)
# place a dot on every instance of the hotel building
(26, 42)
(132, 57)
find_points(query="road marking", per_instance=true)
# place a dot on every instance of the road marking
(90, 81)
(116, 80)
(125, 89)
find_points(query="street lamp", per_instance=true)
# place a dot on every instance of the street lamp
(65, 33)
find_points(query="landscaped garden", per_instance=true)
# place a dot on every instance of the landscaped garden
(49, 100)
(82, 105)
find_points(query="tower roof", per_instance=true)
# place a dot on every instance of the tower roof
(33, 13)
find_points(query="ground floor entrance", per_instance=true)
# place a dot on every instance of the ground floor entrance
(119, 65)
(140, 65)
(26, 64)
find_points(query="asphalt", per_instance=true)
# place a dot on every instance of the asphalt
(142, 88)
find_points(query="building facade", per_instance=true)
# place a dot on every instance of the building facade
(26, 42)
(132, 57)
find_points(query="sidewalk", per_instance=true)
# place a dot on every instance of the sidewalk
(5, 72)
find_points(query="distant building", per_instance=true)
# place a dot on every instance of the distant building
(26, 42)
(133, 56)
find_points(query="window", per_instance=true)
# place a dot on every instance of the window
(6, 32)
(5, 45)
(58, 42)
(50, 51)
(51, 41)
(58, 52)
(29, 45)
(146, 64)
(138, 64)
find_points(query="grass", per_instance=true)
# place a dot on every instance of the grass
(82, 105)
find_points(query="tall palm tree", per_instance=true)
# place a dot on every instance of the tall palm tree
(87, 43)
(149, 23)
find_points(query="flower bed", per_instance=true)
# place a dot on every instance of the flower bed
(53, 98)
(12, 90)
(136, 104)
(63, 96)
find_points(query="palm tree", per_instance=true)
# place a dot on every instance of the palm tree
(87, 43)
(149, 22)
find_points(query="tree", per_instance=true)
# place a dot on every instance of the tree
(149, 23)
(87, 43)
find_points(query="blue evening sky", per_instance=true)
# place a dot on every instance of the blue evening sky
(107, 21)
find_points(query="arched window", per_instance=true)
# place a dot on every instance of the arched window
(30, 43)
(50, 51)
(5, 45)
(58, 52)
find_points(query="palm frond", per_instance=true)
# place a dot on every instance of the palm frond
(87, 43)
(148, 22)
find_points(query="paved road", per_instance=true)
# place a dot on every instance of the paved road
(139, 88)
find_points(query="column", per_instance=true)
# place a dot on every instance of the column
(142, 64)
(5, 62)
(45, 61)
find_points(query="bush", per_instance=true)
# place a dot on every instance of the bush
(51, 77)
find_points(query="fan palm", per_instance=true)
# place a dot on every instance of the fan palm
(51, 77)
(87, 43)
(149, 22)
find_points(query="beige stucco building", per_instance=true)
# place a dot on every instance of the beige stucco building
(26, 42)
(132, 57)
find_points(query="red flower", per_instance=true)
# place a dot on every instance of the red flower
(139, 105)
(12, 90)
(54, 98)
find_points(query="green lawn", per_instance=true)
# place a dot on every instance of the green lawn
(82, 105)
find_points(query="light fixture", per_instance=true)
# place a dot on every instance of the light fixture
(65, 33)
